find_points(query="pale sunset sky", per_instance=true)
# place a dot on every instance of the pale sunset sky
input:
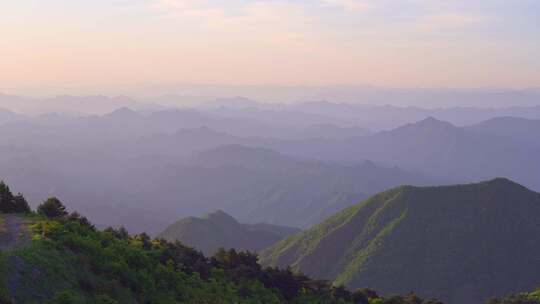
(409, 43)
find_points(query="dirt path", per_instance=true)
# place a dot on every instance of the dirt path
(13, 231)
(13, 234)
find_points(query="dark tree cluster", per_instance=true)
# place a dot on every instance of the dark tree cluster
(52, 208)
(10, 203)
(242, 268)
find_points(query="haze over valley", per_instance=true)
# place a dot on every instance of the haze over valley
(257, 164)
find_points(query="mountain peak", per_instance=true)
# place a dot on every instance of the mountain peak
(220, 230)
(503, 182)
(432, 121)
(495, 184)
(123, 112)
(220, 216)
(429, 124)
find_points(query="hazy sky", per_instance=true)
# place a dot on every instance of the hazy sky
(108, 43)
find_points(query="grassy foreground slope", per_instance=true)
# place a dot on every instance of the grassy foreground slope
(462, 244)
(66, 260)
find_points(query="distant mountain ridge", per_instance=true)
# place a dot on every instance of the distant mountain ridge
(522, 130)
(435, 148)
(464, 243)
(220, 230)
(253, 184)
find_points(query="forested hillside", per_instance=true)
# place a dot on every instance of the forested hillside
(55, 257)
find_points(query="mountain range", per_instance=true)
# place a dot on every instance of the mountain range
(193, 161)
(526, 131)
(439, 149)
(115, 189)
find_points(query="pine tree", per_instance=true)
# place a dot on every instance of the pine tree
(6, 198)
(52, 208)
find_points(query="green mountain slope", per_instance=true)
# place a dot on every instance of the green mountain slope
(462, 243)
(66, 260)
(220, 230)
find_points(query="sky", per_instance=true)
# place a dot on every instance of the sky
(104, 44)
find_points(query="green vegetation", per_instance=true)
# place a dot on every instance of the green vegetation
(52, 208)
(68, 260)
(461, 244)
(520, 298)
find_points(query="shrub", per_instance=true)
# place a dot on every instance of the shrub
(52, 208)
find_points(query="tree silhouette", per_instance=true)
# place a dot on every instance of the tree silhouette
(10, 203)
(52, 208)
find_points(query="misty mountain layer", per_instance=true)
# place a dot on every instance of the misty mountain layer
(146, 169)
